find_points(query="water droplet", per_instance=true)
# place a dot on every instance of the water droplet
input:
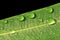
(31, 15)
(11, 20)
(1, 28)
(21, 17)
(51, 21)
(50, 10)
(5, 21)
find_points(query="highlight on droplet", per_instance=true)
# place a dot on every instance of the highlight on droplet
(21, 18)
(6, 21)
(31, 15)
(50, 10)
(51, 21)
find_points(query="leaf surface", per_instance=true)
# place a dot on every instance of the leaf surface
(40, 27)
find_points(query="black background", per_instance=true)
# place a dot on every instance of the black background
(12, 8)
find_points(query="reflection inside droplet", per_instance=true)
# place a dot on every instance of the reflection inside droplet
(31, 15)
(5, 21)
(51, 21)
(21, 18)
(50, 10)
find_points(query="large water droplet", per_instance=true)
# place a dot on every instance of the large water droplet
(31, 15)
(21, 18)
(50, 10)
(51, 21)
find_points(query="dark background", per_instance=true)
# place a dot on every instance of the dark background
(12, 8)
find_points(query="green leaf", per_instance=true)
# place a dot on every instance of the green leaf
(40, 24)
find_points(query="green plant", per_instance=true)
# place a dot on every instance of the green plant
(40, 24)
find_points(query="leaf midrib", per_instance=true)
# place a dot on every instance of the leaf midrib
(15, 31)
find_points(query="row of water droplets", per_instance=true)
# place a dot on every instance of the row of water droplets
(32, 16)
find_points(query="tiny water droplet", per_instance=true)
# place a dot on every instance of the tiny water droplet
(1, 28)
(51, 21)
(5, 21)
(31, 15)
(50, 10)
(11, 20)
(39, 19)
(21, 17)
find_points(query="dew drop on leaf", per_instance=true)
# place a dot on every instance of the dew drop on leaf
(11, 20)
(5, 21)
(1, 28)
(50, 10)
(51, 21)
(31, 15)
(21, 18)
